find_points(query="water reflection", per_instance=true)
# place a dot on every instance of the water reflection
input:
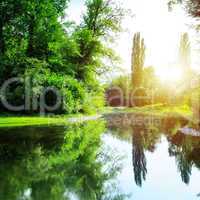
(55, 163)
(144, 138)
(186, 150)
(79, 162)
(138, 157)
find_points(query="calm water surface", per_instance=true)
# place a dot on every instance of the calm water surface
(122, 157)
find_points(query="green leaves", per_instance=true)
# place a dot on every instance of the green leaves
(35, 41)
(103, 17)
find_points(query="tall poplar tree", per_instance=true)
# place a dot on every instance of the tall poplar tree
(185, 53)
(138, 58)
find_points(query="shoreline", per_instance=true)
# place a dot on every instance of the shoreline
(59, 120)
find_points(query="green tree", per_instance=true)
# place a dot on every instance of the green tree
(191, 6)
(100, 22)
(185, 54)
(43, 28)
(34, 38)
(124, 83)
(28, 29)
(9, 10)
(138, 58)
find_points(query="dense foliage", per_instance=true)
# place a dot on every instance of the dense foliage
(38, 41)
(58, 166)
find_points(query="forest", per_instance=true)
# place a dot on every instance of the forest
(51, 64)
(43, 53)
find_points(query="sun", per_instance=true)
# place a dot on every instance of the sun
(169, 75)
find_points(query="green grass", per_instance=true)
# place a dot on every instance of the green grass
(162, 110)
(157, 110)
(29, 121)
(18, 121)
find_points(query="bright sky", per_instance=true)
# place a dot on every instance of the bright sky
(160, 28)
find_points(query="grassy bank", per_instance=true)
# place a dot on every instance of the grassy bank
(17, 121)
(162, 110)
(158, 110)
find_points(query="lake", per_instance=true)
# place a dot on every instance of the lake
(123, 156)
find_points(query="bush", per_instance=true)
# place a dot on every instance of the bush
(71, 91)
(75, 97)
(93, 102)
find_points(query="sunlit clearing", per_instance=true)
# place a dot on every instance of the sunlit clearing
(171, 75)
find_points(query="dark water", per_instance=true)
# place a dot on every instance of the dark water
(123, 157)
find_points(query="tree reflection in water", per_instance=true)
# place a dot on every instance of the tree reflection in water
(144, 139)
(55, 163)
(138, 156)
(185, 148)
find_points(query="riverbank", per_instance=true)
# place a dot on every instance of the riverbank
(156, 110)
(18, 121)
(161, 110)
